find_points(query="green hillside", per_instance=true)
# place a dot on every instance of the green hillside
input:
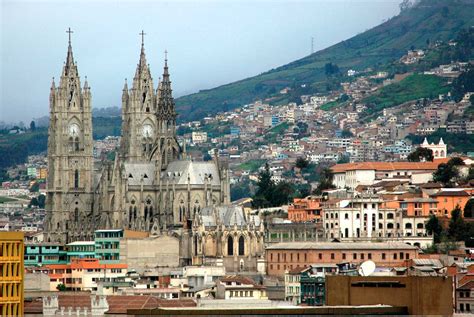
(413, 87)
(427, 22)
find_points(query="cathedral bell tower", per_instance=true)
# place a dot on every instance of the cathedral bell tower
(70, 159)
(139, 127)
(167, 149)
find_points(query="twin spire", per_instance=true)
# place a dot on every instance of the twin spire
(164, 86)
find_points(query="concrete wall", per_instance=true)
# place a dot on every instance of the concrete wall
(422, 295)
(140, 254)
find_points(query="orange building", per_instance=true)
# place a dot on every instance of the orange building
(419, 207)
(447, 200)
(289, 255)
(305, 209)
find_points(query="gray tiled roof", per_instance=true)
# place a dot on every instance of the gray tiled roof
(178, 172)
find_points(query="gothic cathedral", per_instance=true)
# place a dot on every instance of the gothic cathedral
(152, 185)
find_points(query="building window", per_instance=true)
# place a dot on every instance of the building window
(320, 256)
(76, 179)
(346, 216)
(241, 245)
(343, 256)
(230, 246)
(332, 256)
(369, 256)
(354, 256)
(383, 256)
(394, 256)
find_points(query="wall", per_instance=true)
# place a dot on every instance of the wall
(280, 260)
(422, 295)
(150, 252)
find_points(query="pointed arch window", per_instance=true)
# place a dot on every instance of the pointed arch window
(195, 245)
(241, 245)
(76, 215)
(130, 210)
(230, 245)
(76, 144)
(76, 179)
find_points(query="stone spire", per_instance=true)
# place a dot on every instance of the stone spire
(166, 106)
(69, 65)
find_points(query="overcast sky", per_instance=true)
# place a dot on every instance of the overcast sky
(210, 43)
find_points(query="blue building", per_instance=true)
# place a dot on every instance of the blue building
(234, 131)
(44, 253)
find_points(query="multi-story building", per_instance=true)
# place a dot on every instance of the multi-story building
(199, 137)
(289, 255)
(465, 298)
(12, 269)
(80, 249)
(85, 274)
(313, 288)
(107, 245)
(239, 287)
(38, 254)
(351, 175)
(305, 209)
(293, 285)
(368, 217)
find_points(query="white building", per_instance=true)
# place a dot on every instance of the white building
(439, 150)
(351, 175)
(199, 137)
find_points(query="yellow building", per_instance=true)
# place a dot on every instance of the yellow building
(11, 279)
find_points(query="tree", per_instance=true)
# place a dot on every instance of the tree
(41, 201)
(457, 227)
(33, 202)
(207, 157)
(265, 188)
(32, 126)
(331, 69)
(434, 227)
(325, 181)
(282, 194)
(469, 209)
(35, 187)
(421, 154)
(61, 287)
(345, 133)
(464, 83)
(301, 163)
(448, 173)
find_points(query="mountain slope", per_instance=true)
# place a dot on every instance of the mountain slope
(428, 21)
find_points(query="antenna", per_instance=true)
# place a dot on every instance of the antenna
(312, 44)
(367, 268)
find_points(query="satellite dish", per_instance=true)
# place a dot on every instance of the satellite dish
(367, 268)
(344, 203)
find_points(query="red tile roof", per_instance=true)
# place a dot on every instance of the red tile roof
(388, 166)
(118, 304)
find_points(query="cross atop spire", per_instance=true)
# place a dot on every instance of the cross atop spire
(69, 31)
(142, 33)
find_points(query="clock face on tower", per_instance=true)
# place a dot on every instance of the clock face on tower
(73, 129)
(147, 130)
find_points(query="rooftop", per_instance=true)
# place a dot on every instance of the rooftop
(388, 166)
(341, 246)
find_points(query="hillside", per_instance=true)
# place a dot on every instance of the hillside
(427, 22)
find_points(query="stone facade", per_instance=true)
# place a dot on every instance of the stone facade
(152, 185)
(226, 234)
